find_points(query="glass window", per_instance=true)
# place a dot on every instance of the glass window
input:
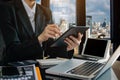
(98, 18)
(63, 10)
(38, 1)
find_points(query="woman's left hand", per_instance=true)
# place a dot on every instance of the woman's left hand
(73, 42)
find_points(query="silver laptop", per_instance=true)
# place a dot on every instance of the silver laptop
(95, 49)
(83, 69)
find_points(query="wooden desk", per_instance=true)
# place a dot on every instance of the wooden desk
(116, 68)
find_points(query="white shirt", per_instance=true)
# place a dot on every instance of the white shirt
(30, 13)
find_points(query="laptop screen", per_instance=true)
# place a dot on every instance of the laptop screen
(95, 47)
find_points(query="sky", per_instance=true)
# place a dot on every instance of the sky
(64, 9)
(98, 9)
(38, 1)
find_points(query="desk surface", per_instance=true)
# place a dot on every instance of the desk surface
(116, 68)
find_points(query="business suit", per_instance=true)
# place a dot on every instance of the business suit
(2, 46)
(21, 42)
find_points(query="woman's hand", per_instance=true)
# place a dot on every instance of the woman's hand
(51, 31)
(73, 42)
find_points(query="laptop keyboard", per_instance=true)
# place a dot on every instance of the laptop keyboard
(86, 68)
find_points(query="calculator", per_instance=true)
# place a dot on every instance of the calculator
(26, 72)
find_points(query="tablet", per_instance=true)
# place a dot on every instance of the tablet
(71, 31)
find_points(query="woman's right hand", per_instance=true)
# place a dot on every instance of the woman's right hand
(50, 31)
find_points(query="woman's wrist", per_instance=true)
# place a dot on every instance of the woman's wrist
(40, 39)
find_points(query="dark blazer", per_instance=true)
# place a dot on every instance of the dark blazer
(21, 42)
(2, 45)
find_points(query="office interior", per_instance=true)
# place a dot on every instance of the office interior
(80, 18)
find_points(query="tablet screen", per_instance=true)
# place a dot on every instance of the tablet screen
(72, 31)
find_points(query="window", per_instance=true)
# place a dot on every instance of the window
(63, 9)
(38, 1)
(98, 18)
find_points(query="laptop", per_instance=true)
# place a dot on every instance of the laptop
(95, 49)
(83, 69)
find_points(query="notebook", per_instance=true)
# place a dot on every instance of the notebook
(68, 68)
(47, 63)
(95, 49)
